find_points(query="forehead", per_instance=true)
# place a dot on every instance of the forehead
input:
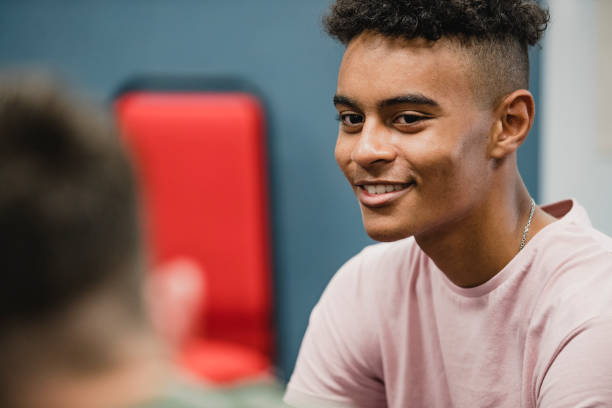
(375, 67)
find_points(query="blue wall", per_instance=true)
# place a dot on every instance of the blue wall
(276, 44)
(529, 153)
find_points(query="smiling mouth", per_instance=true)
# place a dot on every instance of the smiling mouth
(376, 189)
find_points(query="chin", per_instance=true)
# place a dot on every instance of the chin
(386, 234)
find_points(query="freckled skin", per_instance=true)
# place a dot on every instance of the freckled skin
(446, 154)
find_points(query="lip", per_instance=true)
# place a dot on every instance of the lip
(379, 200)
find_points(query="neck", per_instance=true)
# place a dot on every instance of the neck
(476, 247)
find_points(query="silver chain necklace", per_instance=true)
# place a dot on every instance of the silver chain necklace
(526, 230)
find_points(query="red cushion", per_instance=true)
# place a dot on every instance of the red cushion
(201, 157)
(223, 362)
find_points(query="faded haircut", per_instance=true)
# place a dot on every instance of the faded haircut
(497, 33)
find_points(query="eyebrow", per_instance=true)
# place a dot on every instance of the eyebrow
(412, 99)
(345, 100)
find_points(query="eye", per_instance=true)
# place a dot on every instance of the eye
(408, 119)
(350, 119)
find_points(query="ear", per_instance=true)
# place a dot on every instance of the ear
(514, 118)
(175, 293)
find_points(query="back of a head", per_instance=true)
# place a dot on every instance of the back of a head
(496, 32)
(69, 234)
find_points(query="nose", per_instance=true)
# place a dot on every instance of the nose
(373, 146)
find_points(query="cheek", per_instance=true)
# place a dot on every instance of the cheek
(449, 170)
(342, 153)
(441, 175)
(466, 172)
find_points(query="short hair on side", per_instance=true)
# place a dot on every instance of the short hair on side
(69, 218)
(497, 32)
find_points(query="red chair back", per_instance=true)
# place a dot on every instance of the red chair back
(201, 158)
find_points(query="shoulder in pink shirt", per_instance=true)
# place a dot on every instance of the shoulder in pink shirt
(391, 330)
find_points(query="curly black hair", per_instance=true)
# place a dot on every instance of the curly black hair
(497, 32)
(523, 20)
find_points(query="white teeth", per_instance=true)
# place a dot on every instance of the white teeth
(384, 188)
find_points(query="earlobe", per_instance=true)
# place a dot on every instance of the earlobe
(514, 118)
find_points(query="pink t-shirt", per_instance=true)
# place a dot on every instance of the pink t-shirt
(391, 330)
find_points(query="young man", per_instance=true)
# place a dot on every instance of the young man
(74, 331)
(483, 299)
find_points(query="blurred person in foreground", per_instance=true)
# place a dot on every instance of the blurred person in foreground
(74, 329)
(80, 316)
(478, 297)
